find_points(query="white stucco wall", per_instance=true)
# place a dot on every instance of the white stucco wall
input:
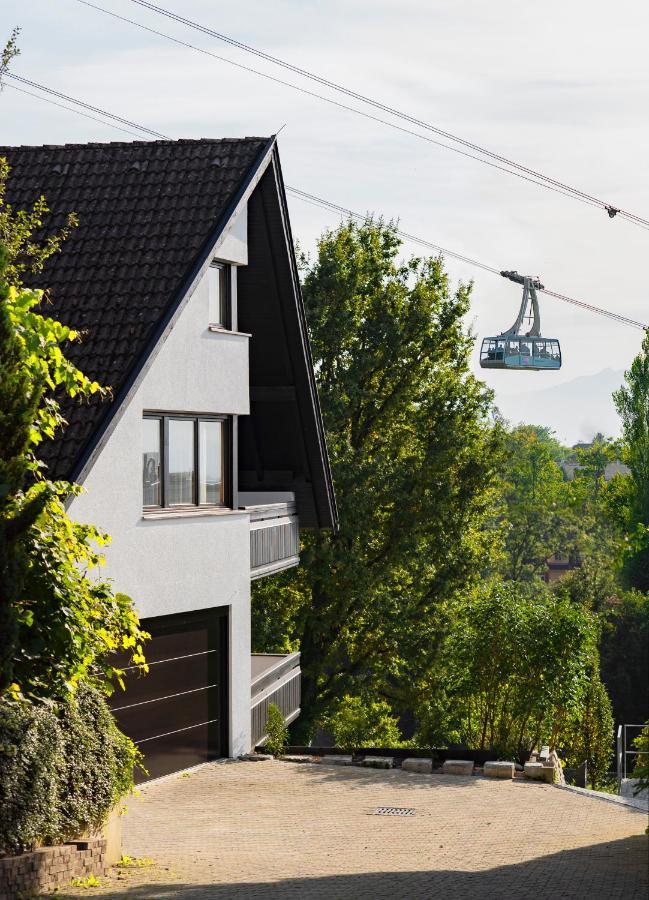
(180, 564)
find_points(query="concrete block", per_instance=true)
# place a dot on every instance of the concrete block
(378, 762)
(499, 769)
(336, 760)
(297, 758)
(255, 757)
(420, 766)
(457, 767)
(539, 772)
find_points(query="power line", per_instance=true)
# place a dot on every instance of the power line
(492, 158)
(326, 204)
(315, 200)
(70, 108)
(96, 109)
(338, 104)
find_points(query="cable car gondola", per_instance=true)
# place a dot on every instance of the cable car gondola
(515, 349)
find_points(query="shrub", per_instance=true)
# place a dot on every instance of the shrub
(62, 769)
(31, 760)
(277, 731)
(357, 723)
(589, 732)
(641, 770)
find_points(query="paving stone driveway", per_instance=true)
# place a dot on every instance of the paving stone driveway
(235, 830)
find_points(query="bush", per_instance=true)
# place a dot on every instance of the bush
(277, 731)
(63, 768)
(356, 723)
(641, 770)
(589, 732)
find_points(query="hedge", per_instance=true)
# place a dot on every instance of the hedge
(63, 767)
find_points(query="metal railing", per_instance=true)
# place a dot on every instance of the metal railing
(274, 538)
(623, 752)
(280, 684)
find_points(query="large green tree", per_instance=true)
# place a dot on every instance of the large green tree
(632, 402)
(536, 519)
(412, 454)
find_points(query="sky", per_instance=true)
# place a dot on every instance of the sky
(562, 88)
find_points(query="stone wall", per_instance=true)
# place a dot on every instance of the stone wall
(48, 868)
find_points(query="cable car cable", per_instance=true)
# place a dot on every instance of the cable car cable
(514, 167)
(313, 199)
(326, 204)
(339, 105)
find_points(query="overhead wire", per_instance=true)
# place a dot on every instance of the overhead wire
(113, 119)
(335, 103)
(495, 159)
(326, 204)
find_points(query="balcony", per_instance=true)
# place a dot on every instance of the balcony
(275, 678)
(274, 534)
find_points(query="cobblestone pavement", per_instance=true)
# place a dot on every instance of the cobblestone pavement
(239, 830)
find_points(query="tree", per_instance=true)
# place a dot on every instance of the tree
(588, 734)
(9, 52)
(533, 488)
(59, 625)
(632, 403)
(515, 668)
(625, 655)
(412, 455)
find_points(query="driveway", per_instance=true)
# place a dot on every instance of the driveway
(235, 830)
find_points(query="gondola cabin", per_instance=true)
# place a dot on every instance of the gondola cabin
(518, 348)
(520, 353)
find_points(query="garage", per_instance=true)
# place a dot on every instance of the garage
(177, 713)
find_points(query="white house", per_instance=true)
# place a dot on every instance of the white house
(211, 453)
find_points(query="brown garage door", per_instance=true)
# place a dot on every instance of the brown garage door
(177, 714)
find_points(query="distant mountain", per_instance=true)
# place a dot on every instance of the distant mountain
(576, 410)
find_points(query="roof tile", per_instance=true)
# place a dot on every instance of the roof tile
(145, 211)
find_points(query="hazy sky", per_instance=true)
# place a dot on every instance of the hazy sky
(561, 87)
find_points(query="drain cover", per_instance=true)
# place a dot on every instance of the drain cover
(394, 811)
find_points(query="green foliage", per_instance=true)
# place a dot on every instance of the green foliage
(514, 666)
(412, 454)
(356, 723)
(533, 489)
(588, 733)
(31, 761)
(9, 51)
(276, 731)
(625, 654)
(63, 767)
(632, 402)
(60, 623)
(641, 769)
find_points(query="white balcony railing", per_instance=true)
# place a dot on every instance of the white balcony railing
(274, 537)
(276, 678)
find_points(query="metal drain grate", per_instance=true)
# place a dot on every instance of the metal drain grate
(394, 811)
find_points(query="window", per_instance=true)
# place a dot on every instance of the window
(184, 461)
(219, 295)
(151, 458)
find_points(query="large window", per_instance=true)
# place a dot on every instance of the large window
(184, 461)
(219, 282)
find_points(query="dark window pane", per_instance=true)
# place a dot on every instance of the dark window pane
(218, 295)
(210, 464)
(181, 462)
(151, 463)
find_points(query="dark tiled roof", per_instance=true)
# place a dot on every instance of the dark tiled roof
(146, 211)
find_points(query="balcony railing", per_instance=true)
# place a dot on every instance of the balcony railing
(274, 538)
(276, 679)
